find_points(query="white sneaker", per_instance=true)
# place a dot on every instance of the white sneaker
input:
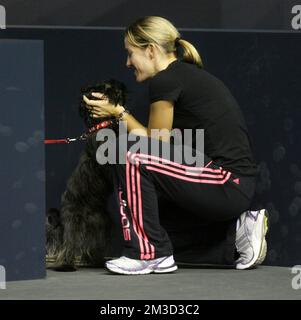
(250, 239)
(124, 265)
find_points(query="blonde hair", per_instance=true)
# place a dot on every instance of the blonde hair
(160, 31)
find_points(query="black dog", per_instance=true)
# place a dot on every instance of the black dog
(79, 232)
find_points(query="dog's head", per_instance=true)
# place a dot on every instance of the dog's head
(114, 90)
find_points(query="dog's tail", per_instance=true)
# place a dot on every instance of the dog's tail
(54, 235)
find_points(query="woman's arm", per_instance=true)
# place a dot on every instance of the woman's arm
(160, 117)
(159, 122)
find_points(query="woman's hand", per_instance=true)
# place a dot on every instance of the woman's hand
(102, 107)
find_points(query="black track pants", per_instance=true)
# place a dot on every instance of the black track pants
(209, 191)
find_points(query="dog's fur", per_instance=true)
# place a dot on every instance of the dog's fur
(80, 231)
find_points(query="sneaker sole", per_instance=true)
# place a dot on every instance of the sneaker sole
(166, 270)
(149, 270)
(259, 258)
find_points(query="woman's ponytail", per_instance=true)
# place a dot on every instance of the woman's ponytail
(187, 52)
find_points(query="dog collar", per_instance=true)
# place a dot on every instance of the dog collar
(84, 136)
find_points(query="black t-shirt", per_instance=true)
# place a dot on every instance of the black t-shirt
(201, 101)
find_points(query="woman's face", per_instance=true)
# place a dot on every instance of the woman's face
(141, 60)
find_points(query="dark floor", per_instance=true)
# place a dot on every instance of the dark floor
(197, 284)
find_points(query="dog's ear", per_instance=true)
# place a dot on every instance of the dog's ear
(118, 92)
(85, 90)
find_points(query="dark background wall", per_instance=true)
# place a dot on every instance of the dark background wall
(216, 14)
(22, 159)
(260, 69)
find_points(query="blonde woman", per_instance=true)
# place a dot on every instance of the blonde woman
(184, 96)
